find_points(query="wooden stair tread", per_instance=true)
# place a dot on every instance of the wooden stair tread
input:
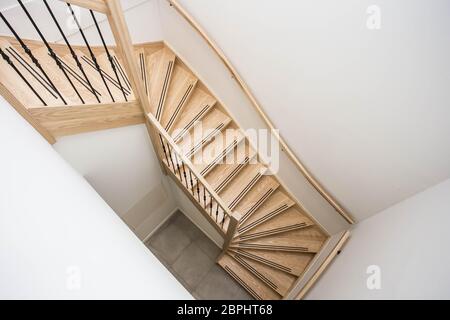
(57, 76)
(15, 83)
(93, 76)
(294, 263)
(160, 77)
(288, 220)
(271, 206)
(300, 240)
(228, 167)
(257, 196)
(276, 279)
(236, 190)
(181, 88)
(203, 133)
(258, 289)
(218, 151)
(198, 106)
(110, 77)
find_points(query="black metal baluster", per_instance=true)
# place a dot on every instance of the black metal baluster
(8, 61)
(32, 57)
(50, 50)
(171, 159)
(113, 67)
(198, 191)
(192, 183)
(210, 204)
(178, 167)
(164, 150)
(217, 211)
(72, 52)
(204, 197)
(94, 59)
(184, 175)
(33, 73)
(122, 73)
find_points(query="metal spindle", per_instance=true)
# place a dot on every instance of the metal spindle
(50, 50)
(32, 57)
(33, 73)
(204, 197)
(72, 52)
(164, 150)
(8, 61)
(122, 73)
(111, 61)
(94, 59)
(178, 167)
(198, 191)
(217, 211)
(210, 204)
(184, 175)
(171, 158)
(192, 182)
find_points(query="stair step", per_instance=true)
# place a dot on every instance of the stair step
(93, 76)
(278, 280)
(290, 219)
(58, 78)
(11, 80)
(242, 184)
(160, 73)
(257, 288)
(203, 133)
(264, 209)
(218, 151)
(294, 263)
(198, 106)
(181, 88)
(113, 83)
(300, 240)
(229, 166)
(257, 196)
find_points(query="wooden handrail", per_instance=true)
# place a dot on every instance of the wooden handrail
(284, 146)
(94, 5)
(160, 130)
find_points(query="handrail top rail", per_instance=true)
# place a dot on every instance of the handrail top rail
(191, 167)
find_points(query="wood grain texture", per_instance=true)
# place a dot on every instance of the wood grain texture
(62, 121)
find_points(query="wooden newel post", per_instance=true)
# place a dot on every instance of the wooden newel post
(124, 45)
(232, 226)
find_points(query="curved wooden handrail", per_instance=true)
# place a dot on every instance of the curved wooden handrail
(284, 146)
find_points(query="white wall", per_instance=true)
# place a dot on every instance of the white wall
(54, 227)
(123, 168)
(366, 110)
(410, 243)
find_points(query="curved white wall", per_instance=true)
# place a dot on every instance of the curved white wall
(409, 244)
(366, 110)
(58, 238)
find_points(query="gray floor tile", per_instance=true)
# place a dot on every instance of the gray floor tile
(218, 285)
(169, 243)
(190, 229)
(208, 246)
(193, 265)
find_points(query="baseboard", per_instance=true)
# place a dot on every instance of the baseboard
(160, 224)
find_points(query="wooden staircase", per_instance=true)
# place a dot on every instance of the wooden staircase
(275, 240)
(269, 239)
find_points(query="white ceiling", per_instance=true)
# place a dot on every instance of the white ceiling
(368, 111)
